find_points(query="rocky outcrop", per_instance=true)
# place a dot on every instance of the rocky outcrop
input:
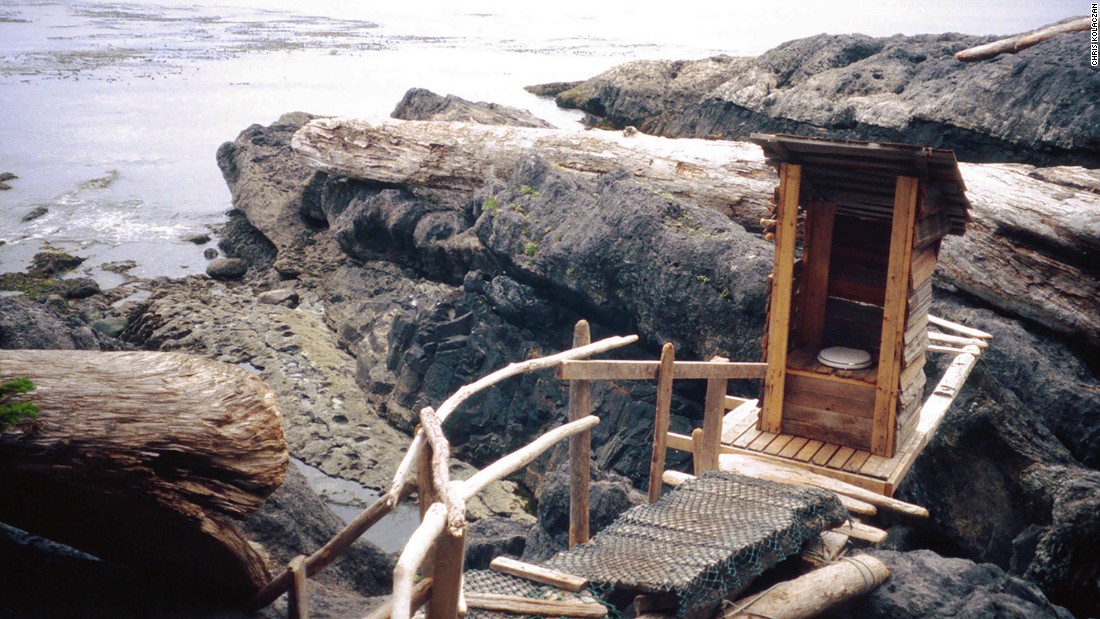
(422, 104)
(924, 584)
(26, 324)
(1031, 107)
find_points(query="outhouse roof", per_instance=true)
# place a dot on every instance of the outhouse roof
(860, 177)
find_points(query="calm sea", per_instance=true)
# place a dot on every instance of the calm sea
(112, 112)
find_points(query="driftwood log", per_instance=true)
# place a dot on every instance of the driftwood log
(142, 458)
(1013, 44)
(1029, 251)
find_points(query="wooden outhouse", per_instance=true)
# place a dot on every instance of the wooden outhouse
(858, 228)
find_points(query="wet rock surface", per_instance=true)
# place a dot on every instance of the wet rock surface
(1031, 107)
(421, 104)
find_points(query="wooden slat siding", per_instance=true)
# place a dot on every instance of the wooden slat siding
(856, 461)
(826, 394)
(829, 427)
(647, 370)
(916, 326)
(771, 419)
(793, 447)
(910, 371)
(911, 351)
(822, 456)
(861, 292)
(713, 410)
(919, 299)
(840, 458)
(761, 442)
(924, 264)
(815, 282)
(859, 378)
(661, 421)
(893, 327)
(778, 444)
(931, 229)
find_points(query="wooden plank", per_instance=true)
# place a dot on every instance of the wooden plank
(862, 378)
(831, 394)
(298, 598)
(956, 340)
(826, 549)
(822, 456)
(738, 420)
(580, 448)
(877, 466)
(678, 442)
(697, 455)
(840, 458)
(829, 426)
(856, 462)
(778, 444)
(762, 441)
(733, 402)
(647, 370)
(661, 421)
(924, 264)
(793, 447)
(746, 438)
(957, 328)
(858, 530)
(539, 574)
(815, 280)
(713, 409)
(808, 450)
(893, 320)
(420, 593)
(534, 606)
(771, 417)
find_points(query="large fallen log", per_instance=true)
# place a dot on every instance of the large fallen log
(1029, 251)
(730, 177)
(813, 594)
(142, 458)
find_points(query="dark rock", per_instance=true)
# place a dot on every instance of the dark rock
(198, 239)
(238, 238)
(490, 538)
(421, 104)
(295, 521)
(551, 89)
(1028, 107)
(609, 496)
(120, 266)
(24, 324)
(80, 288)
(227, 268)
(1064, 560)
(4, 178)
(34, 213)
(924, 584)
(614, 250)
(209, 253)
(53, 262)
(273, 187)
(283, 296)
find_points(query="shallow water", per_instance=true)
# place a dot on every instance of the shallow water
(147, 91)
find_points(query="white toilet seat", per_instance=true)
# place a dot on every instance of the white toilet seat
(844, 358)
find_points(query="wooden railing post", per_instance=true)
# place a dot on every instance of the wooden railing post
(661, 421)
(298, 598)
(713, 409)
(450, 553)
(580, 448)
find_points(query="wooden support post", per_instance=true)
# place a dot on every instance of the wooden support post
(580, 447)
(883, 432)
(298, 602)
(661, 421)
(714, 410)
(697, 451)
(815, 277)
(450, 552)
(420, 594)
(779, 319)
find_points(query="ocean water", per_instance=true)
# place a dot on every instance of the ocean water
(112, 111)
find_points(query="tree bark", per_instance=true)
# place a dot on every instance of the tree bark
(1030, 249)
(143, 458)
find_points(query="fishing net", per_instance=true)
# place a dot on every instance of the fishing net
(702, 542)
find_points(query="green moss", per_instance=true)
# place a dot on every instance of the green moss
(530, 248)
(14, 411)
(528, 190)
(702, 278)
(34, 287)
(491, 206)
(517, 208)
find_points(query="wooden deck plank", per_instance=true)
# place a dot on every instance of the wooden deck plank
(854, 463)
(840, 458)
(761, 442)
(822, 456)
(778, 444)
(793, 447)
(747, 437)
(808, 450)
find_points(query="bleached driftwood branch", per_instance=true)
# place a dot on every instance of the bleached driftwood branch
(1013, 44)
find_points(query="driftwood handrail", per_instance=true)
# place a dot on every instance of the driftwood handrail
(443, 500)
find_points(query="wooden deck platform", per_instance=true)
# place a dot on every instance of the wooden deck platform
(855, 466)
